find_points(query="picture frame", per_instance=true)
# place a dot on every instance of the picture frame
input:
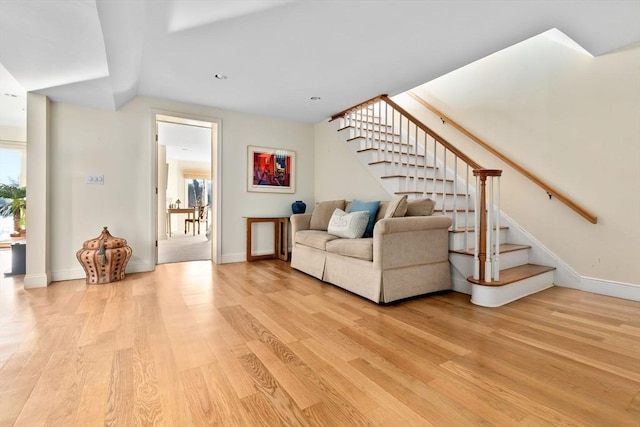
(271, 170)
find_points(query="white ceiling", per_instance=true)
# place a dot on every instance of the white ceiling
(276, 54)
(185, 142)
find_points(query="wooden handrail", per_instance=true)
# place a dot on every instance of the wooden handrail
(541, 183)
(355, 107)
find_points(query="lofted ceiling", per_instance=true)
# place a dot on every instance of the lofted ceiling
(276, 54)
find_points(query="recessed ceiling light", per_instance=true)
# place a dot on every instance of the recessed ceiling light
(220, 76)
(315, 98)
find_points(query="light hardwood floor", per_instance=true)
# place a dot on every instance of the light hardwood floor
(252, 344)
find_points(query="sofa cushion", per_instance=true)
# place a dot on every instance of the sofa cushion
(348, 225)
(420, 207)
(322, 214)
(314, 238)
(354, 248)
(396, 207)
(371, 207)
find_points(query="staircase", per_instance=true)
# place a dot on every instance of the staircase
(409, 158)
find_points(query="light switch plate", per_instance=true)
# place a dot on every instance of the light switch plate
(95, 179)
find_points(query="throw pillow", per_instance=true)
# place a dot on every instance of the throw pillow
(322, 214)
(371, 207)
(348, 225)
(420, 207)
(397, 207)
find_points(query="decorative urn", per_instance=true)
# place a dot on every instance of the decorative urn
(298, 207)
(104, 258)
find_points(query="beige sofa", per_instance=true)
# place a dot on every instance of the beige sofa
(407, 255)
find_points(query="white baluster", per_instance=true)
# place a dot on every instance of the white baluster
(496, 258)
(455, 191)
(476, 247)
(489, 233)
(466, 213)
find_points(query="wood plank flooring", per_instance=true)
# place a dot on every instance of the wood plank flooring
(260, 344)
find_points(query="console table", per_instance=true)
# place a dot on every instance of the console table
(281, 238)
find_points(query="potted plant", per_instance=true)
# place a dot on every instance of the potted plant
(15, 204)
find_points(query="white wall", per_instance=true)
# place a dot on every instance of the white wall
(119, 145)
(574, 121)
(339, 174)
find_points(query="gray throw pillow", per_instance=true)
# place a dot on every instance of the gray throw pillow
(396, 207)
(420, 207)
(322, 214)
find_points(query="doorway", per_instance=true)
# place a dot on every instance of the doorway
(187, 187)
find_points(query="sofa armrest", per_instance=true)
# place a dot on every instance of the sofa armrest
(299, 222)
(409, 241)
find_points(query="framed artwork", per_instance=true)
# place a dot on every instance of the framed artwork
(271, 170)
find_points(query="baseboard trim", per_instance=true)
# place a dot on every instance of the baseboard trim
(78, 273)
(609, 288)
(32, 281)
(140, 267)
(67, 274)
(237, 257)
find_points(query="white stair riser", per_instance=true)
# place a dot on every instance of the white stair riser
(376, 127)
(382, 146)
(457, 240)
(375, 132)
(458, 218)
(364, 121)
(419, 184)
(464, 263)
(496, 296)
(399, 161)
(388, 166)
(448, 200)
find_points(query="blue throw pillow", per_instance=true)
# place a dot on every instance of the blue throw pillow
(372, 208)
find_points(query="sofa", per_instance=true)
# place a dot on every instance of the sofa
(407, 254)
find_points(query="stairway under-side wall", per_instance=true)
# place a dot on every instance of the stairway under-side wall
(407, 162)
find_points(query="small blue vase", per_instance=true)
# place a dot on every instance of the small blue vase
(298, 207)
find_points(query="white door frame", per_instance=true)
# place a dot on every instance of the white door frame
(216, 177)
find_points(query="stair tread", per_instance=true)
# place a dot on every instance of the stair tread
(504, 248)
(448, 193)
(449, 210)
(370, 129)
(387, 141)
(515, 274)
(472, 229)
(377, 162)
(413, 177)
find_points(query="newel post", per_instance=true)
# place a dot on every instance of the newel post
(483, 226)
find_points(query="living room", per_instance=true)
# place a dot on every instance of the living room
(571, 116)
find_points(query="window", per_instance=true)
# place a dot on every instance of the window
(198, 192)
(12, 156)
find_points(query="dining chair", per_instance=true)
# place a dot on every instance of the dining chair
(203, 216)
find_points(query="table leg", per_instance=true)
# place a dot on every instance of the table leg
(283, 239)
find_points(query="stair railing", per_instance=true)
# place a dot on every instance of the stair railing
(432, 167)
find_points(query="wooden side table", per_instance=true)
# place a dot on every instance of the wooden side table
(191, 214)
(281, 238)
